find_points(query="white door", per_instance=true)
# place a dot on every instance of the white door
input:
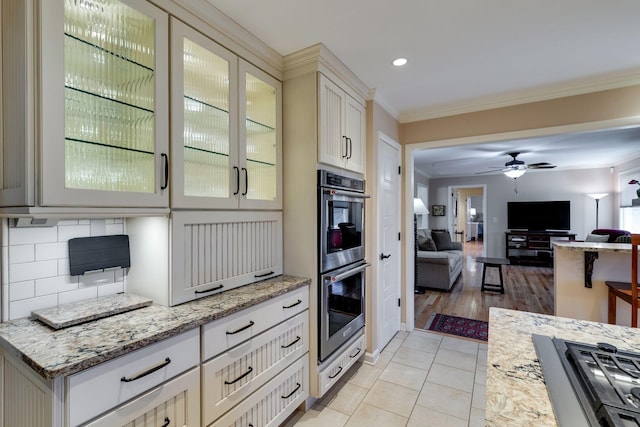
(389, 243)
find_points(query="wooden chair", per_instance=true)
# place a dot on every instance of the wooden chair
(626, 291)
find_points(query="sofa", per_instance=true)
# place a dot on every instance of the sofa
(438, 260)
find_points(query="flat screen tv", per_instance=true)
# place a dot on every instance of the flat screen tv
(539, 216)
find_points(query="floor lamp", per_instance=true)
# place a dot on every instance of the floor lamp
(597, 197)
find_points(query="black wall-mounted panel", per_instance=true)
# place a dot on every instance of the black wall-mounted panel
(97, 253)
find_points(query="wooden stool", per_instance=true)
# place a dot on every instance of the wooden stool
(496, 263)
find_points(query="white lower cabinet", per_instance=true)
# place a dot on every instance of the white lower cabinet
(330, 374)
(274, 402)
(98, 389)
(236, 374)
(237, 328)
(176, 403)
(192, 379)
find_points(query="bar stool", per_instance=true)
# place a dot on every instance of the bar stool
(627, 292)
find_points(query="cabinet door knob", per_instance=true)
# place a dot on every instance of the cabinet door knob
(383, 256)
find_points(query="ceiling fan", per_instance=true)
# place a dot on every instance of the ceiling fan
(515, 168)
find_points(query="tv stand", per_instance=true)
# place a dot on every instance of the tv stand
(533, 247)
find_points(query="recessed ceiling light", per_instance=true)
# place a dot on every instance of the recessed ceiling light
(399, 62)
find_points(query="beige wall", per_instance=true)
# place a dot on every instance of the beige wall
(591, 107)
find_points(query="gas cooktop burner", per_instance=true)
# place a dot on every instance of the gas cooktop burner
(604, 380)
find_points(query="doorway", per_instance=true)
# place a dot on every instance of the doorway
(466, 218)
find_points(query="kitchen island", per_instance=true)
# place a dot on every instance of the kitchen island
(516, 391)
(580, 297)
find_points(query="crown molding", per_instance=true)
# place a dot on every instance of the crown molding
(319, 58)
(208, 19)
(378, 99)
(558, 90)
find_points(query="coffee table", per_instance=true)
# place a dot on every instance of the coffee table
(496, 263)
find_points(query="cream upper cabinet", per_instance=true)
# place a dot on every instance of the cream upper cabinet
(204, 114)
(342, 127)
(103, 121)
(226, 143)
(260, 139)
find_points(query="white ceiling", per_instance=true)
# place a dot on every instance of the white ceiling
(467, 55)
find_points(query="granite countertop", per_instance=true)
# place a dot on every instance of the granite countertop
(54, 353)
(516, 392)
(593, 246)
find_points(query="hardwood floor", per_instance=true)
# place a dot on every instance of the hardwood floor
(526, 288)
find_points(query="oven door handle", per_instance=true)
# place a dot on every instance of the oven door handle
(346, 274)
(334, 192)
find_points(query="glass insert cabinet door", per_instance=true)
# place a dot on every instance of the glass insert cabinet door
(260, 137)
(105, 106)
(204, 118)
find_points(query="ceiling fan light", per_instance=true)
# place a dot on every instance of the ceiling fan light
(514, 173)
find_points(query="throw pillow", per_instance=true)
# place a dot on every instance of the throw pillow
(597, 238)
(442, 240)
(426, 244)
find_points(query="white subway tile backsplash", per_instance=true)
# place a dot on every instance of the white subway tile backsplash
(45, 251)
(24, 236)
(21, 253)
(32, 270)
(114, 229)
(98, 227)
(23, 308)
(110, 289)
(36, 260)
(22, 290)
(54, 285)
(77, 295)
(67, 232)
(63, 267)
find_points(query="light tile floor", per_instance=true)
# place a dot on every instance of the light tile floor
(421, 379)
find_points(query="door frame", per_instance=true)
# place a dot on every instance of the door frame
(450, 214)
(409, 170)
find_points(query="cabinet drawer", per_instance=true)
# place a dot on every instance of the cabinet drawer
(232, 376)
(100, 388)
(220, 335)
(329, 375)
(176, 403)
(274, 402)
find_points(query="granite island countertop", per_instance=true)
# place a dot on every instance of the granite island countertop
(54, 353)
(516, 392)
(573, 245)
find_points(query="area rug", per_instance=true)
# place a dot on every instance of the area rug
(460, 326)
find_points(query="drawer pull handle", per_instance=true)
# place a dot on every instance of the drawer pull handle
(292, 343)
(293, 392)
(257, 276)
(293, 305)
(251, 323)
(210, 290)
(336, 374)
(357, 353)
(146, 372)
(166, 423)
(249, 370)
(166, 171)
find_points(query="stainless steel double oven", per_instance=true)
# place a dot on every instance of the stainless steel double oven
(342, 265)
